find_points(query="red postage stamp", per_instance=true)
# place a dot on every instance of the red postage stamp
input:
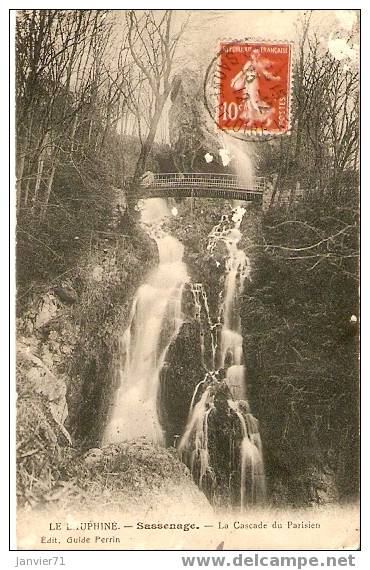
(255, 87)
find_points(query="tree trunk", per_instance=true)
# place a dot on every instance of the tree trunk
(40, 169)
(48, 192)
(74, 129)
(19, 177)
(275, 186)
(145, 149)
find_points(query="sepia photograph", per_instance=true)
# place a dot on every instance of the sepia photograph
(187, 197)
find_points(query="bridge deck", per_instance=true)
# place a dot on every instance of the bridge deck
(202, 185)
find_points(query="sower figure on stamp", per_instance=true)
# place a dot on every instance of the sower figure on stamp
(248, 80)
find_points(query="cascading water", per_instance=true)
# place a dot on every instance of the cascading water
(208, 331)
(237, 270)
(252, 481)
(196, 432)
(194, 443)
(154, 321)
(252, 476)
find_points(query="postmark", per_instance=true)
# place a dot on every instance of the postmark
(248, 88)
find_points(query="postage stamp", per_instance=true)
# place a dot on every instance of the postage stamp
(254, 87)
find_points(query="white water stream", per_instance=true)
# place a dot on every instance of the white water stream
(230, 358)
(154, 321)
(195, 439)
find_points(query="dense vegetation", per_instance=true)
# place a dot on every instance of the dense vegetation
(81, 133)
(300, 314)
(301, 335)
(82, 143)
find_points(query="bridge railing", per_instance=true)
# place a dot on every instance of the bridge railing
(203, 179)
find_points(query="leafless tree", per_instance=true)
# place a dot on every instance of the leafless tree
(58, 75)
(152, 47)
(325, 138)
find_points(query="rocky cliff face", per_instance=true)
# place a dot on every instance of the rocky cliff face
(68, 347)
(67, 342)
(188, 366)
(192, 133)
(298, 472)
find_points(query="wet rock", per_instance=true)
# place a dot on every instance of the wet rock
(182, 371)
(66, 294)
(48, 310)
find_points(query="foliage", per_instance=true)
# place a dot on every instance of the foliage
(322, 151)
(79, 139)
(39, 448)
(300, 326)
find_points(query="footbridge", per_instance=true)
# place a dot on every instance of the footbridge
(201, 185)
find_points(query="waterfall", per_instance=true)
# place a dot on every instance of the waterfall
(240, 152)
(194, 443)
(252, 477)
(207, 329)
(154, 322)
(237, 270)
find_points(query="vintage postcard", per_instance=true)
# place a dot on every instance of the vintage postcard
(187, 252)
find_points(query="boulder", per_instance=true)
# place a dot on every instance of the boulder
(66, 294)
(35, 378)
(48, 310)
(134, 477)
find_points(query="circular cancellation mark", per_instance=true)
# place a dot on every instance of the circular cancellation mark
(248, 89)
